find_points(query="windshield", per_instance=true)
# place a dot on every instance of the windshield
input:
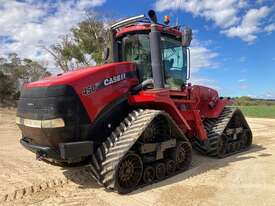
(136, 48)
(174, 62)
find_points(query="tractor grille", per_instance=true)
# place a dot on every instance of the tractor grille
(52, 103)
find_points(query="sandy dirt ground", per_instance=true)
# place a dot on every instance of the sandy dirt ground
(242, 179)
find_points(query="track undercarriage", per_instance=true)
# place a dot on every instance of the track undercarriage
(145, 148)
(227, 135)
(148, 147)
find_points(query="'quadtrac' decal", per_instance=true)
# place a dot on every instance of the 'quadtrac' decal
(107, 82)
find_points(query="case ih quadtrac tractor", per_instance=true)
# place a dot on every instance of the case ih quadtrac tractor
(136, 119)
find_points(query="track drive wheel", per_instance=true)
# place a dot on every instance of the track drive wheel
(182, 155)
(129, 173)
(246, 140)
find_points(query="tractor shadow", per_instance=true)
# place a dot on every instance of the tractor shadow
(81, 176)
(202, 164)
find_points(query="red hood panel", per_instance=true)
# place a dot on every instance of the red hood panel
(74, 76)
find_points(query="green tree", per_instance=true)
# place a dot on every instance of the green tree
(25, 70)
(16, 71)
(7, 87)
(84, 46)
(32, 71)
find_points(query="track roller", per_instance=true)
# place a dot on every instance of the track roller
(182, 155)
(170, 166)
(160, 170)
(149, 175)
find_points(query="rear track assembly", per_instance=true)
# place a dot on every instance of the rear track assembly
(227, 135)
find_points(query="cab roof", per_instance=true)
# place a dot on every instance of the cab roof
(141, 23)
(147, 27)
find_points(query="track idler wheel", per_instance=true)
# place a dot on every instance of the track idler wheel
(246, 140)
(149, 175)
(129, 173)
(160, 170)
(182, 155)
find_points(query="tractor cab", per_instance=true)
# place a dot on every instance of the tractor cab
(160, 52)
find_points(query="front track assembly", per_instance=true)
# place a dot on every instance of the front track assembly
(228, 134)
(137, 154)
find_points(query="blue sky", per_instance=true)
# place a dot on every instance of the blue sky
(232, 51)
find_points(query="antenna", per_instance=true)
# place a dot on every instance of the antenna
(177, 14)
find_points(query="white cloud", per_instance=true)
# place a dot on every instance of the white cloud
(242, 80)
(270, 28)
(201, 58)
(199, 80)
(236, 18)
(31, 24)
(270, 95)
(250, 25)
(267, 95)
(222, 12)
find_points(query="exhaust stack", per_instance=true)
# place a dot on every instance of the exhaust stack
(157, 66)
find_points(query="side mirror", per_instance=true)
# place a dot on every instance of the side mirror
(106, 54)
(186, 37)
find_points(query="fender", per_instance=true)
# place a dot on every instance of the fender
(160, 99)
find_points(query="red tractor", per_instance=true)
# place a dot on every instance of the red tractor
(135, 120)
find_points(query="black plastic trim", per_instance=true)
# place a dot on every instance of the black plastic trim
(67, 152)
(42, 151)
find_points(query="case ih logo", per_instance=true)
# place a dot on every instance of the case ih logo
(114, 79)
(106, 82)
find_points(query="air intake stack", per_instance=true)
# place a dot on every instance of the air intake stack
(155, 45)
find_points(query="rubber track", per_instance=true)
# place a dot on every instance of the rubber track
(215, 128)
(107, 157)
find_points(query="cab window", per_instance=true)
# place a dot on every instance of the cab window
(136, 48)
(174, 62)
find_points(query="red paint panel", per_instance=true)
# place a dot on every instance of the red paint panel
(99, 99)
(160, 99)
(146, 27)
(80, 79)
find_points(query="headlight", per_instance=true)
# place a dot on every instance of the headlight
(52, 123)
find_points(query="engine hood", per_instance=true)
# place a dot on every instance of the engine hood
(73, 76)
